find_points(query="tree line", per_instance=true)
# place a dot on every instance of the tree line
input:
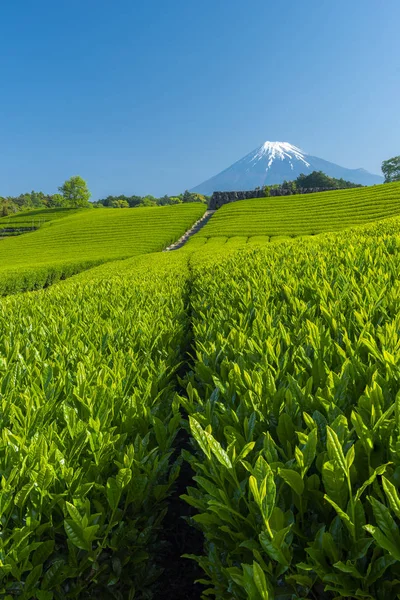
(315, 181)
(74, 193)
(123, 201)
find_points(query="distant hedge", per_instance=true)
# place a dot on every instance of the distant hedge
(315, 182)
(218, 199)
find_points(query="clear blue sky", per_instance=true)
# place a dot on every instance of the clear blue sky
(154, 96)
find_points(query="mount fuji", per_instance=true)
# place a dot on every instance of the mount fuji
(273, 162)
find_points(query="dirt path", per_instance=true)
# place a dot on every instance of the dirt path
(194, 229)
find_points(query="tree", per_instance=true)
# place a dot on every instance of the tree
(75, 192)
(120, 204)
(193, 197)
(187, 196)
(36, 199)
(56, 201)
(316, 179)
(6, 207)
(198, 198)
(391, 169)
(134, 201)
(164, 201)
(147, 201)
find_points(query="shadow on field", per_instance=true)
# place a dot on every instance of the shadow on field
(177, 580)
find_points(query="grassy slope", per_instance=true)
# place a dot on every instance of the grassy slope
(306, 214)
(90, 237)
(35, 218)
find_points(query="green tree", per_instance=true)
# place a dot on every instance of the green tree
(120, 204)
(147, 201)
(6, 207)
(75, 192)
(193, 197)
(134, 201)
(391, 169)
(164, 201)
(36, 199)
(316, 179)
(198, 198)
(187, 196)
(56, 201)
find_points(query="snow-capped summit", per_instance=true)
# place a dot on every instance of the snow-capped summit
(273, 162)
(280, 150)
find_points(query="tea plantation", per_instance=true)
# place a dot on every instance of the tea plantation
(34, 218)
(86, 238)
(254, 385)
(307, 214)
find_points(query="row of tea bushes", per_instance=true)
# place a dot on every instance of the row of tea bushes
(75, 243)
(294, 411)
(87, 373)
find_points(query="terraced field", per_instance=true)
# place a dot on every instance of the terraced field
(69, 245)
(26, 222)
(305, 214)
(37, 218)
(281, 361)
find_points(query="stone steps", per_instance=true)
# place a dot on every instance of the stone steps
(194, 229)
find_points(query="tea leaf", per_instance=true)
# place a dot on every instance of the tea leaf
(293, 479)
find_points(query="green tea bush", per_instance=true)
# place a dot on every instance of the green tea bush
(36, 218)
(294, 409)
(71, 244)
(292, 404)
(305, 214)
(87, 371)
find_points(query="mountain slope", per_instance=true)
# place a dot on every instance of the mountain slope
(273, 162)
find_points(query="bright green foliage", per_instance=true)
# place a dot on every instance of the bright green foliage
(87, 238)
(292, 403)
(391, 169)
(258, 240)
(35, 218)
(305, 214)
(294, 407)
(75, 192)
(88, 428)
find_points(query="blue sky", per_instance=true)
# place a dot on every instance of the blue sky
(155, 97)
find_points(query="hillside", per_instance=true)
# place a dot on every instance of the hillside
(304, 214)
(279, 359)
(66, 246)
(282, 365)
(40, 215)
(20, 222)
